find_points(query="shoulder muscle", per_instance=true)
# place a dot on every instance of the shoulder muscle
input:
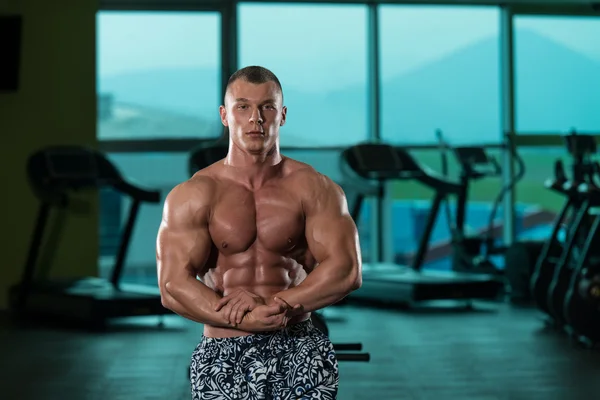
(188, 203)
(319, 193)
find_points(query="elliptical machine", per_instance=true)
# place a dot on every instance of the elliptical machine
(530, 263)
(473, 253)
(554, 267)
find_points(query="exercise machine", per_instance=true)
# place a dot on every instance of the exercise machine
(580, 307)
(54, 173)
(521, 256)
(402, 285)
(472, 253)
(527, 272)
(210, 152)
(553, 269)
(582, 148)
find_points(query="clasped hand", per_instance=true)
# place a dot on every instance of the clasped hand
(250, 311)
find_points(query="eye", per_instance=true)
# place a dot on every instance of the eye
(269, 107)
(242, 107)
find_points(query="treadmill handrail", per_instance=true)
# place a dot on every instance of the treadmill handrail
(426, 175)
(97, 171)
(439, 183)
(137, 192)
(473, 158)
(401, 166)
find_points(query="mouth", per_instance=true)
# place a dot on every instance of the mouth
(255, 133)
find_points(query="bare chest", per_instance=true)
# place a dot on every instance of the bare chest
(271, 218)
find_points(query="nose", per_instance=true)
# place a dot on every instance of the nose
(256, 118)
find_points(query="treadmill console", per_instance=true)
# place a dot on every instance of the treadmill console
(381, 162)
(475, 162)
(373, 161)
(69, 164)
(56, 170)
(582, 148)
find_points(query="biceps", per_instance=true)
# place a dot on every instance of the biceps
(181, 253)
(333, 238)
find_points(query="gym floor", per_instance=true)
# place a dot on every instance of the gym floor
(494, 352)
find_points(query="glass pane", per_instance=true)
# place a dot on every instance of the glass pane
(323, 70)
(557, 74)
(440, 70)
(539, 206)
(158, 75)
(162, 172)
(411, 202)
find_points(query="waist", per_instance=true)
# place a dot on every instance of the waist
(219, 332)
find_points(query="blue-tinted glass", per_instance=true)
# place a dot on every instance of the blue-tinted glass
(158, 75)
(319, 53)
(440, 70)
(557, 74)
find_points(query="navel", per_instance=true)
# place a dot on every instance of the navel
(224, 245)
(290, 240)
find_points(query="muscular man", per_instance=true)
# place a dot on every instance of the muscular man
(271, 240)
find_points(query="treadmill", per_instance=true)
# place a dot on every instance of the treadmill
(90, 302)
(400, 285)
(472, 253)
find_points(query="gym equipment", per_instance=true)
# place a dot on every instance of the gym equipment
(405, 285)
(53, 174)
(211, 152)
(552, 273)
(581, 302)
(563, 269)
(473, 253)
(581, 147)
(340, 348)
(527, 268)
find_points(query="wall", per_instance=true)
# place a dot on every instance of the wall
(56, 104)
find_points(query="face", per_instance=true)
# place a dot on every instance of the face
(254, 113)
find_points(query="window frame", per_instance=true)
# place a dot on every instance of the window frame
(548, 139)
(229, 63)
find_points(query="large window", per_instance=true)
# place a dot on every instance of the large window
(440, 70)
(320, 55)
(557, 74)
(158, 75)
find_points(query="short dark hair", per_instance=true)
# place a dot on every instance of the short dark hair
(255, 74)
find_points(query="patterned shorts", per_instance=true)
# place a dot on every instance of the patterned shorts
(297, 362)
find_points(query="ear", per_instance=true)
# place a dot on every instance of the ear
(283, 115)
(223, 114)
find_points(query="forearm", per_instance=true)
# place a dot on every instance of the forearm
(193, 300)
(326, 285)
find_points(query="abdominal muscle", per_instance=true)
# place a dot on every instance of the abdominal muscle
(264, 281)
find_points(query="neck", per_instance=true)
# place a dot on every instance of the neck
(253, 169)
